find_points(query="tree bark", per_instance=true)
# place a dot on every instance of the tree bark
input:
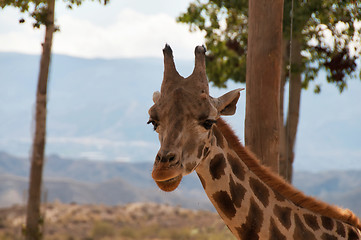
(33, 218)
(295, 88)
(263, 80)
(283, 164)
(289, 129)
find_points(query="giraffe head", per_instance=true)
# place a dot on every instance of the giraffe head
(183, 114)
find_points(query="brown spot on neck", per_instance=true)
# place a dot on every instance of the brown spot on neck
(236, 167)
(260, 191)
(284, 215)
(217, 166)
(340, 229)
(275, 233)
(352, 235)
(237, 192)
(251, 228)
(224, 203)
(301, 232)
(326, 236)
(311, 221)
(327, 223)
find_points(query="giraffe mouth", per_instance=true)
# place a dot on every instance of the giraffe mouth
(169, 184)
(167, 177)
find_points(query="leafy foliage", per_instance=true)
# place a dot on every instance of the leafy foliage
(225, 26)
(37, 8)
(328, 30)
(333, 36)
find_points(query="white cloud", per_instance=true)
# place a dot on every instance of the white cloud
(15, 37)
(131, 34)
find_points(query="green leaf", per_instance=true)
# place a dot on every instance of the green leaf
(225, 24)
(317, 89)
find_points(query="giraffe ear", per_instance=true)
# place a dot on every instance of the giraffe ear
(156, 96)
(226, 104)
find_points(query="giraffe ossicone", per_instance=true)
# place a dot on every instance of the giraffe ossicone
(253, 202)
(184, 104)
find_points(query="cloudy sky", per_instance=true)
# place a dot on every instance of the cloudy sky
(125, 28)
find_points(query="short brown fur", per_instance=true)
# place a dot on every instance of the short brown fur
(281, 186)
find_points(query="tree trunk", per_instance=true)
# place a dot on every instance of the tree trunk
(289, 129)
(283, 164)
(295, 88)
(263, 80)
(33, 218)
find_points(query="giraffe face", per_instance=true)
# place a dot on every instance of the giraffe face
(183, 114)
(182, 122)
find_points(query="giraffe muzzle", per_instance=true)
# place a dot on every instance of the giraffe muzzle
(167, 172)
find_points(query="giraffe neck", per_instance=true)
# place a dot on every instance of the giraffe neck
(253, 210)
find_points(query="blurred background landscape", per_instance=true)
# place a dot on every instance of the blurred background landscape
(99, 148)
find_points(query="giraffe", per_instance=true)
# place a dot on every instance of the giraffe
(252, 201)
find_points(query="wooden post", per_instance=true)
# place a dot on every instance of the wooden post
(264, 61)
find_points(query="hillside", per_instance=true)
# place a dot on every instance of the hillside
(112, 183)
(341, 188)
(146, 221)
(93, 182)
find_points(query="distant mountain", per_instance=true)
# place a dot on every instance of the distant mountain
(84, 181)
(111, 183)
(342, 188)
(97, 110)
(111, 192)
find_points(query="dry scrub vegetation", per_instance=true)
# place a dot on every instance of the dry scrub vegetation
(132, 221)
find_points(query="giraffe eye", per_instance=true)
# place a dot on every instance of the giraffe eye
(207, 124)
(155, 124)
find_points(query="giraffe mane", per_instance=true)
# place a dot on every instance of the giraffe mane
(278, 184)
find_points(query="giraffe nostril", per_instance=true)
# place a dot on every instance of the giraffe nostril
(165, 157)
(171, 157)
